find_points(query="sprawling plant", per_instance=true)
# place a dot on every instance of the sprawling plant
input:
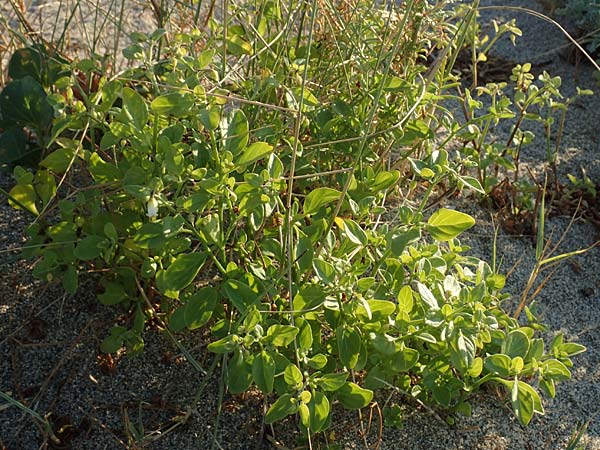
(236, 181)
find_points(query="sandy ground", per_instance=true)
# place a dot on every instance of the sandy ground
(50, 360)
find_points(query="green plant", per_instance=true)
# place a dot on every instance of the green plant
(574, 442)
(25, 112)
(497, 165)
(530, 102)
(585, 184)
(235, 181)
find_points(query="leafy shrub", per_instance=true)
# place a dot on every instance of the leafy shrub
(236, 181)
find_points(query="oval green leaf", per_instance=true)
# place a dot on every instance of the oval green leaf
(177, 104)
(281, 335)
(181, 272)
(446, 224)
(263, 371)
(239, 374)
(284, 406)
(319, 198)
(253, 153)
(352, 396)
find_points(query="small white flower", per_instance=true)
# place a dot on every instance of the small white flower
(152, 207)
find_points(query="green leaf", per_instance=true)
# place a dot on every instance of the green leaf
(318, 361)
(253, 153)
(308, 98)
(462, 352)
(89, 248)
(26, 62)
(525, 402)
(110, 232)
(405, 360)
(199, 308)
(473, 183)
(397, 84)
(114, 293)
(152, 235)
(571, 349)
(181, 272)
(324, 270)
(224, 345)
(332, 381)
(240, 294)
(281, 335)
(263, 371)
(239, 373)
(304, 414)
(237, 133)
(498, 364)
(380, 310)
(178, 104)
(548, 386)
(446, 224)
(441, 394)
(205, 58)
(284, 406)
(70, 279)
(464, 408)
(24, 103)
(384, 344)
(405, 299)
(427, 297)
(352, 396)
(238, 46)
(476, 367)
(15, 147)
(308, 297)
(355, 233)
(555, 370)
(45, 186)
(319, 411)
(101, 171)
(135, 110)
(400, 241)
(348, 341)
(384, 180)
(293, 376)
(415, 129)
(111, 91)
(426, 337)
(319, 198)
(177, 319)
(516, 343)
(210, 117)
(24, 198)
(113, 342)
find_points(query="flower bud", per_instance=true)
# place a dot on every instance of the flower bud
(152, 207)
